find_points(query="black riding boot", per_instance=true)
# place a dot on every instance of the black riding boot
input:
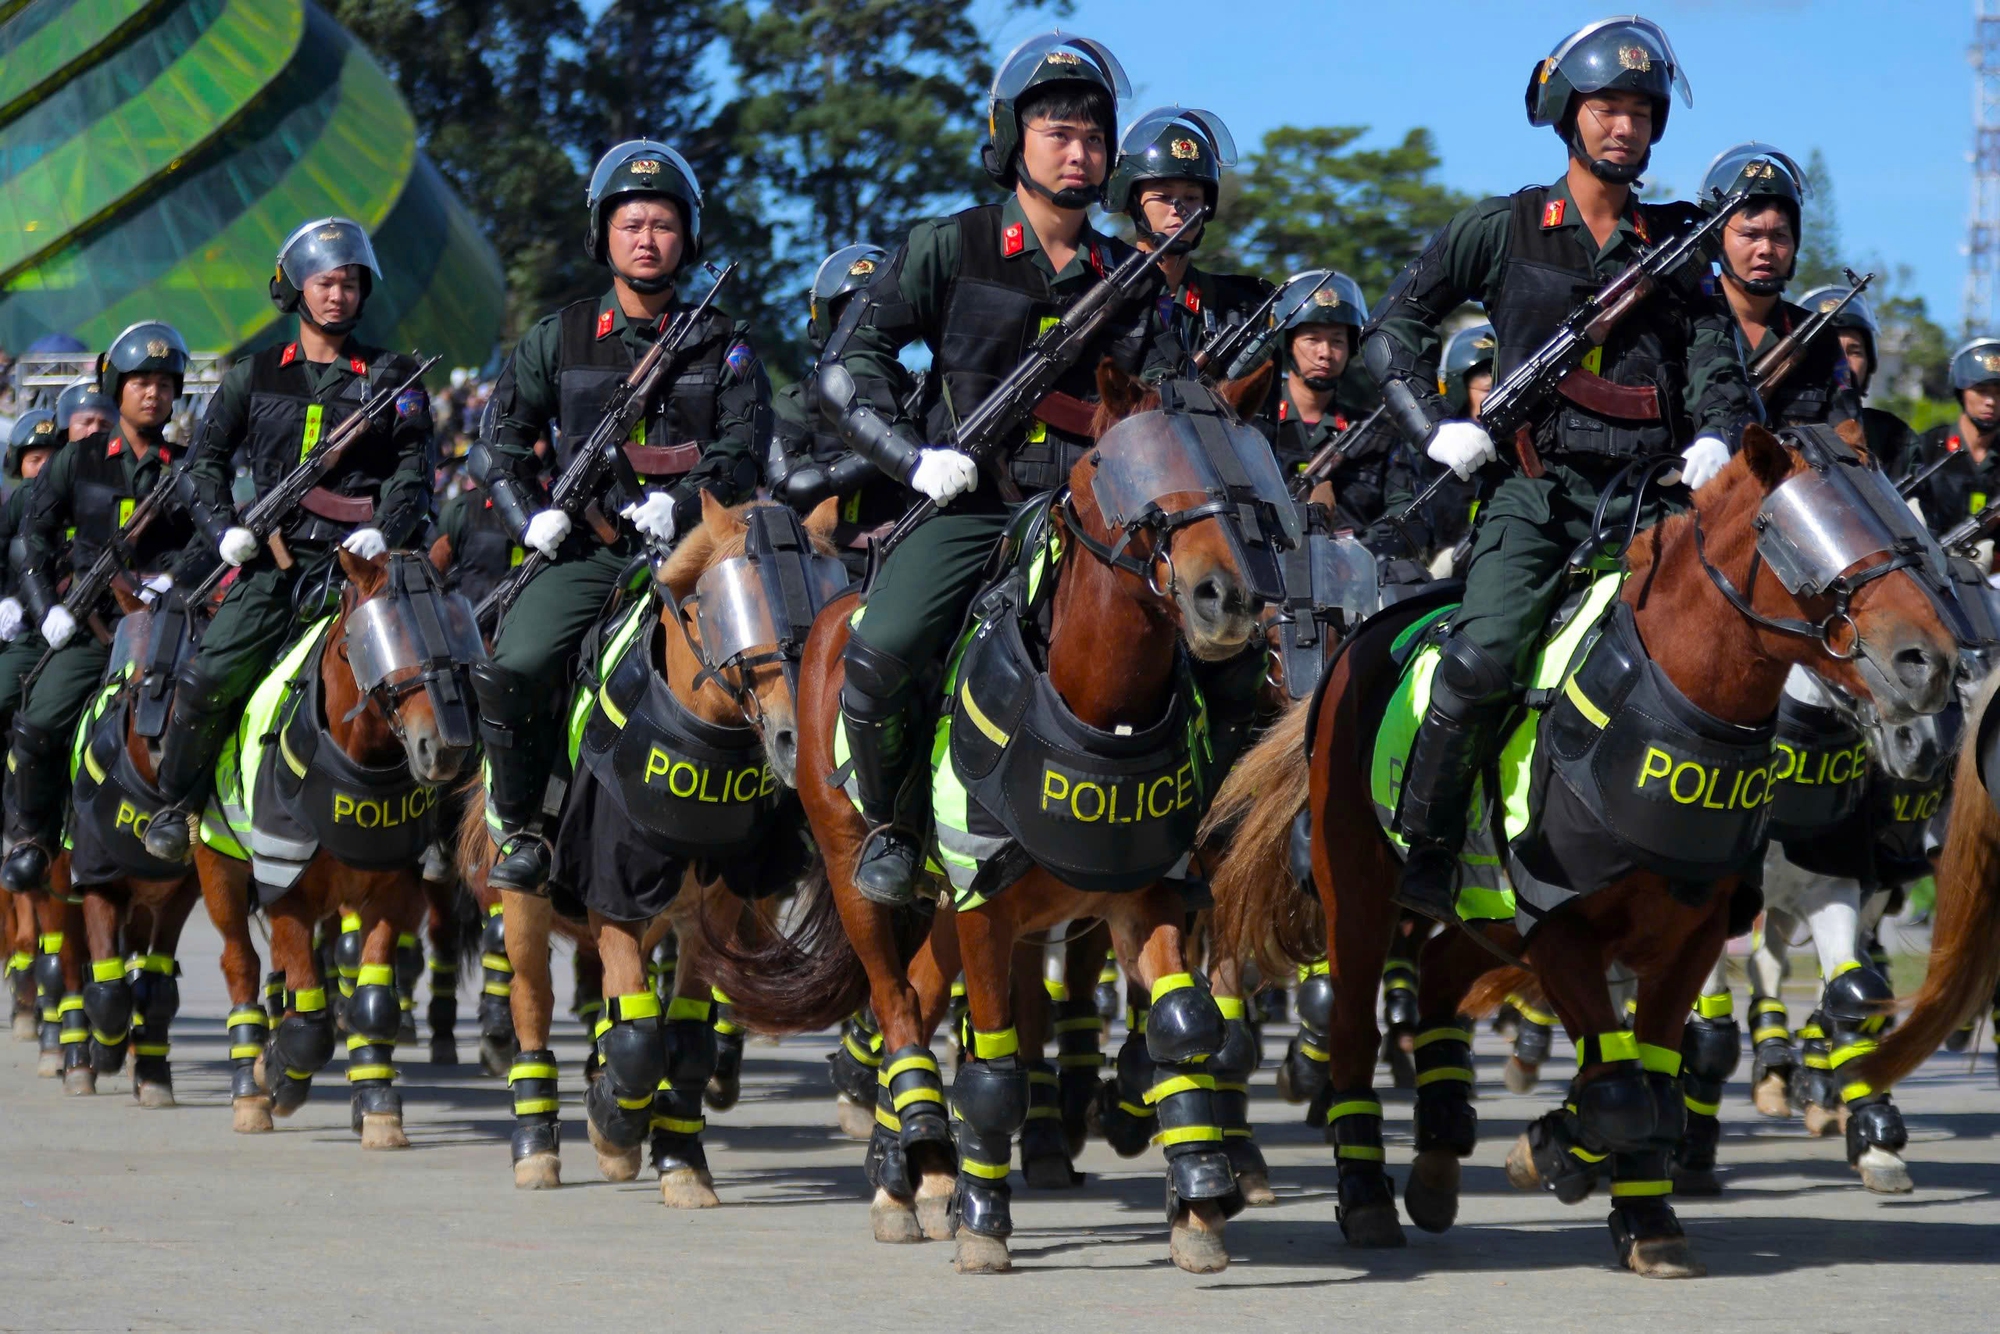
(201, 717)
(36, 788)
(1469, 693)
(518, 756)
(874, 707)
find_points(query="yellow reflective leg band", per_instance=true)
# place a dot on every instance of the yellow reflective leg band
(350, 922)
(887, 1121)
(1232, 1007)
(1364, 1152)
(107, 970)
(1701, 1108)
(1457, 1072)
(1353, 1107)
(638, 1005)
(405, 941)
(1167, 1088)
(860, 1053)
(52, 942)
(687, 1007)
(1172, 982)
(530, 1070)
(1058, 991)
(918, 1094)
(1534, 1016)
(1430, 1035)
(358, 1073)
(1856, 1091)
(309, 1001)
(1716, 1006)
(676, 1126)
(1189, 1135)
(1631, 1189)
(1859, 1047)
(150, 1049)
(987, 1171)
(992, 1046)
(1618, 1045)
(1312, 1053)
(376, 975)
(1659, 1060)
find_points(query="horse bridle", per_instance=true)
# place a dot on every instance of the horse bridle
(1842, 589)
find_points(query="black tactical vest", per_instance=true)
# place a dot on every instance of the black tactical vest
(994, 310)
(103, 501)
(594, 358)
(489, 552)
(1807, 396)
(286, 420)
(1547, 275)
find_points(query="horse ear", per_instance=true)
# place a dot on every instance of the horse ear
(715, 516)
(1118, 394)
(1244, 396)
(441, 553)
(820, 523)
(1769, 462)
(1856, 438)
(367, 576)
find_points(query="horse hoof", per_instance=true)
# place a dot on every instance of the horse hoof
(79, 1081)
(980, 1254)
(152, 1096)
(1196, 1242)
(1431, 1198)
(251, 1116)
(26, 1026)
(934, 1206)
(496, 1055)
(1769, 1097)
(1256, 1190)
(1884, 1173)
(1821, 1121)
(1519, 1076)
(1050, 1171)
(1373, 1227)
(856, 1121)
(686, 1188)
(1521, 1173)
(49, 1065)
(1664, 1257)
(444, 1051)
(383, 1130)
(1697, 1181)
(894, 1221)
(615, 1163)
(538, 1171)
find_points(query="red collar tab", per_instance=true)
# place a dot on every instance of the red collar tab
(1284, 409)
(165, 456)
(604, 324)
(1552, 213)
(1097, 260)
(1952, 443)
(1013, 240)
(291, 354)
(1639, 224)
(1339, 421)
(117, 444)
(1192, 300)
(357, 365)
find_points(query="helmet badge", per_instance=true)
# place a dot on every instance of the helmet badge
(1989, 360)
(156, 347)
(1062, 57)
(1327, 297)
(1635, 58)
(645, 166)
(327, 234)
(1827, 303)
(861, 268)
(1184, 150)
(1548, 68)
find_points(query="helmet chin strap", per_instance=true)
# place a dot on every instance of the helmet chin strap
(1616, 173)
(1319, 384)
(643, 286)
(1758, 286)
(1184, 246)
(338, 328)
(1067, 197)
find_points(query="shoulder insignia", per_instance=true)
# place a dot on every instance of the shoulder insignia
(357, 365)
(1012, 241)
(1708, 287)
(1952, 443)
(1099, 258)
(1339, 421)
(111, 450)
(166, 456)
(291, 354)
(740, 358)
(604, 319)
(1192, 300)
(1639, 225)
(411, 402)
(1284, 409)
(1552, 213)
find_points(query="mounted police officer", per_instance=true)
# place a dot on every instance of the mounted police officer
(975, 287)
(90, 488)
(808, 459)
(701, 432)
(82, 409)
(36, 439)
(274, 407)
(1965, 485)
(1669, 370)
(1170, 161)
(1465, 377)
(484, 549)
(1758, 255)
(1855, 332)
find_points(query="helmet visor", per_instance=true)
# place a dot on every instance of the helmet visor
(319, 247)
(734, 607)
(1156, 124)
(633, 149)
(846, 269)
(1757, 169)
(1643, 34)
(1058, 48)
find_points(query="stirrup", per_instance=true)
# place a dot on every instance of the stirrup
(889, 852)
(523, 864)
(1433, 895)
(167, 837)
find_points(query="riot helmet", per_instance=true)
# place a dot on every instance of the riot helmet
(82, 396)
(1855, 315)
(1465, 352)
(1040, 62)
(318, 247)
(846, 270)
(149, 345)
(642, 167)
(1977, 362)
(34, 429)
(1170, 144)
(1317, 296)
(1622, 54)
(1762, 173)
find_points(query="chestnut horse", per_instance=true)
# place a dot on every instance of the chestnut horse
(1113, 644)
(1730, 666)
(377, 731)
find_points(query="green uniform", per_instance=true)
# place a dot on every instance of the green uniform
(806, 461)
(483, 550)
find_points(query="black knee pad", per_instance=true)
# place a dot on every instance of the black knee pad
(1619, 1109)
(1532, 1041)
(304, 1041)
(1315, 1002)
(1875, 1125)
(1471, 676)
(507, 698)
(1238, 1055)
(347, 953)
(375, 1012)
(1184, 1024)
(690, 1047)
(1670, 1110)
(108, 1005)
(47, 969)
(991, 1097)
(635, 1056)
(493, 934)
(1857, 1000)
(1711, 1049)
(878, 679)
(156, 999)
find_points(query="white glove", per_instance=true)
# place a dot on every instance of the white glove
(941, 474)
(546, 532)
(653, 516)
(1462, 446)
(11, 617)
(151, 589)
(1702, 460)
(58, 626)
(367, 543)
(237, 545)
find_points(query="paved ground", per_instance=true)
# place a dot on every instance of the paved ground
(114, 1218)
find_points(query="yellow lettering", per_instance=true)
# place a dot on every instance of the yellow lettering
(1763, 793)
(1076, 796)
(126, 815)
(701, 793)
(1184, 786)
(657, 764)
(1790, 760)
(343, 807)
(1708, 792)
(1050, 789)
(368, 814)
(1646, 769)
(1674, 782)
(674, 776)
(1153, 797)
(1840, 766)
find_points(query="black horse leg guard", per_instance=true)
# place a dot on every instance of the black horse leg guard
(1624, 1108)
(347, 964)
(855, 1066)
(1232, 1068)
(274, 998)
(1354, 1129)
(1812, 1078)
(1106, 993)
(910, 1110)
(249, 1030)
(74, 1026)
(726, 1084)
(677, 1117)
(156, 999)
(1184, 1032)
(1444, 1118)
(107, 1003)
(21, 980)
(374, 1018)
(1534, 1033)
(409, 967)
(1122, 1110)
(537, 1119)
(49, 991)
(442, 1012)
(1399, 997)
(1567, 1161)
(989, 1098)
(632, 1045)
(1711, 1048)
(1042, 1139)
(1641, 1208)
(1304, 1067)
(1079, 1063)
(496, 984)
(300, 1048)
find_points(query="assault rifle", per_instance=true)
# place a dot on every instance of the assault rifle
(1333, 451)
(602, 452)
(265, 518)
(1004, 411)
(1770, 370)
(87, 588)
(1520, 394)
(1218, 359)
(1971, 529)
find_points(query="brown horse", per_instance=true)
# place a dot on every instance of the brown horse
(755, 694)
(383, 731)
(46, 925)
(1627, 1103)
(1113, 643)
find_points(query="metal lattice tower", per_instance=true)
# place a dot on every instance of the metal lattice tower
(1982, 274)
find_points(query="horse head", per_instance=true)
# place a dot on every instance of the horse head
(396, 670)
(734, 637)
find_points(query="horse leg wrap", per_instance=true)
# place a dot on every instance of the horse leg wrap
(1042, 1133)
(1640, 1189)
(1106, 992)
(496, 980)
(677, 1118)
(74, 1028)
(1567, 1161)
(1121, 1102)
(1399, 996)
(300, 1048)
(156, 997)
(347, 953)
(633, 1047)
(1079, 1060)
(1184, 1030)
(537, 1120)
(662, 970)
(1353, 1121)
(855, 1066)
(374, 1018)
(21, 974)
(1873, 1122)
(728, 1051)
(989, 1096)
(1184, 1024)
(107, 1003)
(409, 967)
(249, 1029)
(49, 989)
(1232, 1067)
(1534, 1033)
(274, 997)
(1620, 1107)
(442, 1012)
(910, 1106)
(1444, 1116)
(1306, 1055)
(1812, 1078)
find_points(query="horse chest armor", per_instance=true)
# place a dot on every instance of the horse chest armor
(1822, 769)
(114, 806)
(591, 368)
(375, 819)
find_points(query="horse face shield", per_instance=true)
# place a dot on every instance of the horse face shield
(417, 634)
(1192, 445)
(759, 607)
(1331, 584)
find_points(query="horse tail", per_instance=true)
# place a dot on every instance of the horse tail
(1260, 909)
(1965, 926)
(802, 979)
(1497, 987)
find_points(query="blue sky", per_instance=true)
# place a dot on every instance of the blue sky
(1896, 126)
